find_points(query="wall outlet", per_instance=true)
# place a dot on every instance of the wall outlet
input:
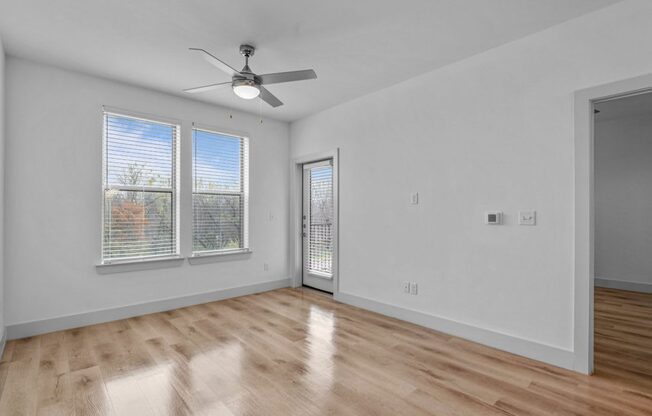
(414, 198)
(406, 287)
(266, 267)
(414, 288)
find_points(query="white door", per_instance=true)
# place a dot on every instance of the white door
(317, 223)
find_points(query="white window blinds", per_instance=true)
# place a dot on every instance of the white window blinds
(220, 192)
(139, 188)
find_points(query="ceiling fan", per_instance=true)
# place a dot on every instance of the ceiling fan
(245, 83)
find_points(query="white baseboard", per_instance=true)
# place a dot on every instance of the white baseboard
(28, 329)
(623, 285)
(537, 351)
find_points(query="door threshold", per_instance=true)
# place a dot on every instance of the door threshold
(314, 289)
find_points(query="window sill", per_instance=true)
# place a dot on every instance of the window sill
(120, 266)
(209, 257)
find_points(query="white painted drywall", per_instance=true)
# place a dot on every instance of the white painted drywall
(53, 196)
(2, 187)
(623, 199)
(492, 132)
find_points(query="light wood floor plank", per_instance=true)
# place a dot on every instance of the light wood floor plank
(298, 352)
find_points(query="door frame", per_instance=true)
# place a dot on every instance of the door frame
(296, 209)
(584, 227)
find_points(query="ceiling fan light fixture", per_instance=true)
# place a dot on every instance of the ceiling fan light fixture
(246, 89)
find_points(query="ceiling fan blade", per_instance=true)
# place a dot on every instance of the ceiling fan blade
(279, 77)
(206, 87)
(269, 98)
(216, 62)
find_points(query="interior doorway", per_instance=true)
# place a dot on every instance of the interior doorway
(584, 206)
(622, 164)
(317, 222)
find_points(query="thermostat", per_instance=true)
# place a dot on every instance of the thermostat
(493, 217)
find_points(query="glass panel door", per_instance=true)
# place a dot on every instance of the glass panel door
(317, 223)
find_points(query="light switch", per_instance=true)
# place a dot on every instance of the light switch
(414, 198)
(527, 217)
(414, 288)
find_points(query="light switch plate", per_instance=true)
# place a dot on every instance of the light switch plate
(527, 217)
(414, 288)
(414, 198)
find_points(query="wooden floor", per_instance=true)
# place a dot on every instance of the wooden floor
(297, 352)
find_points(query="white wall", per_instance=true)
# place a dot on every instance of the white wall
(2, 187)
(623, 199)
(492, 132)
(53, 196)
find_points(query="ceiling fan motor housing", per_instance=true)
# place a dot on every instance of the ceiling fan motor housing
(237, 82)
(247, 50)
(246, 73)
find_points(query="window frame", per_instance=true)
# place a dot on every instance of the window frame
(244, 191)
(173, 190)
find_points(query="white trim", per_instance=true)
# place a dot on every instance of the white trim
(28, 329)
(141, 115)
(145, 263)
(3, 342)
(584, 212)
(216, 256)
(220, 252)
(296, 201)
(138, 260)
(220, 130)
(623, 285)
(321, 163)
(515, 345)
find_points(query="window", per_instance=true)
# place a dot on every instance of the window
(139, 184)
(219, 194)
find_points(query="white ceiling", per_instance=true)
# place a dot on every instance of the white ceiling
(355, 46)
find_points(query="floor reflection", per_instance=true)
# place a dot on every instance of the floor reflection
(296, 352)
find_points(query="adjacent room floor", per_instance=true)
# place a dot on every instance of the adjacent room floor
(297, 352)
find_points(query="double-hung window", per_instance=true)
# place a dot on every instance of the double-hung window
(219, 193)
(139, 188)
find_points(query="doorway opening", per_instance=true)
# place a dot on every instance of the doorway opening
(585, 103)
(622, 160)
